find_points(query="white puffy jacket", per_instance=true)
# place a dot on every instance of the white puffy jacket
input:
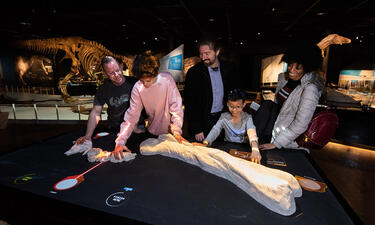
(297, 111)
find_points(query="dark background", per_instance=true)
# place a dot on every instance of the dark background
(249, 30)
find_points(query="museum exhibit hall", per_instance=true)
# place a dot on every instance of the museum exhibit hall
(55, 89)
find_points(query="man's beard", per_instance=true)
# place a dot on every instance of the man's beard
(208, 62)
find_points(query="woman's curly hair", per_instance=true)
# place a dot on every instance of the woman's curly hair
(307, 54)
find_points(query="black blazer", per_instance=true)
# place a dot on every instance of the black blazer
(198, 93)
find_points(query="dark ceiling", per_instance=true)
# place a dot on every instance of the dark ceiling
(124, 26)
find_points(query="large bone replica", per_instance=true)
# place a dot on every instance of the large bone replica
(274, 189)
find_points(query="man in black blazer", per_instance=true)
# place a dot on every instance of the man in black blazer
(206, 86)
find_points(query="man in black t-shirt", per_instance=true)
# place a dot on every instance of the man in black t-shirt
(117, 98)
(115, 92)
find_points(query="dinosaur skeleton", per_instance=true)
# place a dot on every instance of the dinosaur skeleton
(86, 56)
(332, 39)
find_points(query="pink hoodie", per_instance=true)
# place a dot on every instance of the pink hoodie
(163, 104)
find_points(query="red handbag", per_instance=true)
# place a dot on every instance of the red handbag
(320, 130)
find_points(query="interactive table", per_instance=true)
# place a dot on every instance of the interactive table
(147, 190)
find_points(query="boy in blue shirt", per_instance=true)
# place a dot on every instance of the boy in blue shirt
(237, 124)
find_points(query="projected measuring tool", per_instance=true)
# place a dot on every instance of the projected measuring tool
(72, 181)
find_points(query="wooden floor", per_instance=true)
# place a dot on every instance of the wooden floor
(350, 170)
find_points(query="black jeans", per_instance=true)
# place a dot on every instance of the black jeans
(212, 119)
(265, 119)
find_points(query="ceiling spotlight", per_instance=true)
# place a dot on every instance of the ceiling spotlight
(143, 42)
(123, 25)
(273, 9)
(320, 13)
(156, 39)
(211, 20)
(25, 23)
(258, 33)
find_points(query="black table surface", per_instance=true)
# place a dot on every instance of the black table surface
(149, 189)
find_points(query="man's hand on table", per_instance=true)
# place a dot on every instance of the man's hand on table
(199, 136)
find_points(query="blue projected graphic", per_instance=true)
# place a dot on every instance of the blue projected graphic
(175, 62)
(351, 72)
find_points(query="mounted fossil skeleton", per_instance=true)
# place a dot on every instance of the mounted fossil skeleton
(85, 56)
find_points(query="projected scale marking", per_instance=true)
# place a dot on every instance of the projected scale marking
(72, 181)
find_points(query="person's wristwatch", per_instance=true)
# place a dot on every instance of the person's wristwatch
(205, 142)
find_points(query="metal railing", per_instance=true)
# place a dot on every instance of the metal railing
(50, 112)
(28, 90)
(46, 109)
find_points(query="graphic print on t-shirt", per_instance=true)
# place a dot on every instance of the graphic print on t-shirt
(118, 101)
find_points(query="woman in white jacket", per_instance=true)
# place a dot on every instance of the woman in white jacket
(296, 97)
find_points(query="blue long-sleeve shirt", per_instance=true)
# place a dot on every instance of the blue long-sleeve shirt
(233, 132)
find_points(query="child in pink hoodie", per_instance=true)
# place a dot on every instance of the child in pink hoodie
(157, 93)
